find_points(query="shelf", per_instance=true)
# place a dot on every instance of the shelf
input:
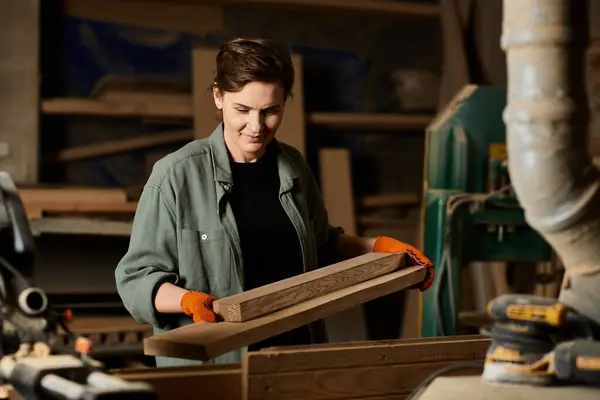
(371, 121)
(104, 108)
(386, 8)
(79, 226)
(182, 108)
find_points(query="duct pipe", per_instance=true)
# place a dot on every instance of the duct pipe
(546, 115)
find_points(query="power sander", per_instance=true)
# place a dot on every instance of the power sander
(537, 340)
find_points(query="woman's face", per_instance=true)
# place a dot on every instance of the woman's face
(250, 118)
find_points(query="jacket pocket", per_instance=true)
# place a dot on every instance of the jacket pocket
(205, 260)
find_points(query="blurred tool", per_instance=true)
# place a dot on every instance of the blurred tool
(29, 327)
(538, 340)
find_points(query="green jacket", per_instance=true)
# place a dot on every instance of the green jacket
(184, 232)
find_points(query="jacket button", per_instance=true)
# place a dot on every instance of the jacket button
(227, 186)
(204, 236)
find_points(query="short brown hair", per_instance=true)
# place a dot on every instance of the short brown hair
(244, 60)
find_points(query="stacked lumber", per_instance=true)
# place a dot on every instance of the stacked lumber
(75, 201)
(343, 371)
(282, 306)
(360, 370)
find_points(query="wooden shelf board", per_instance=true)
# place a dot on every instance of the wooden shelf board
(183, 109)
(371, 121)
(105, 108)
(79, 226)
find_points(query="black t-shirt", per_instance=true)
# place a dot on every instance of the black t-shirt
(270, 244)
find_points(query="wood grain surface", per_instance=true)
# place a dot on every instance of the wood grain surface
(204, 341)
(376, 369)
(288, 292)
(214, 381)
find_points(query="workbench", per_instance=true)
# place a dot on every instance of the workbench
(474, 388)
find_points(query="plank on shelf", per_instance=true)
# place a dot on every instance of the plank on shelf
(35, 210)
(370, 121)
(105, 108)
(119, 146)
(288, 292)
(204, 341)
(37, 200)
(55, 194)
(80, 226)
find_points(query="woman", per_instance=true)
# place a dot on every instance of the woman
(234, 211)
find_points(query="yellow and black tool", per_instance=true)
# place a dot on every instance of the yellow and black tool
(537, 340)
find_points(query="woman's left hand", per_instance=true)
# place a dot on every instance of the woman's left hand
(385, 244)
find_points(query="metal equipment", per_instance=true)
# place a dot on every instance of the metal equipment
(469, 210)
(538, 341)
(29, 327)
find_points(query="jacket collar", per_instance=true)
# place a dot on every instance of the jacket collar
(222, 169)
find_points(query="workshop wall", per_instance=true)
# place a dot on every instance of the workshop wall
(349, 64)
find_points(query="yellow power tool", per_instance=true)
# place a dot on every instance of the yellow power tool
(537, 340)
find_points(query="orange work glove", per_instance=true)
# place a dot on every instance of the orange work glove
(384, 244)
(198, 305)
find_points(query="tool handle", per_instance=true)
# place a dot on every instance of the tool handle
(528, 309)
(23, 239)
(578, 361)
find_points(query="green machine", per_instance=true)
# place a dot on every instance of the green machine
(469, 212)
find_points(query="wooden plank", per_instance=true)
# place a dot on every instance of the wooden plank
(349, 383)
(375, 369)
(104, 108)
(310, 285)
(455, 68)
(474, 388)
(119, 146)
(292, 128)
(362, 343)
(19, 93)
(371, 122)
(204, 111)
(366, 354)
(175, 17)
(218, 381)
(30, 194)
(336, 186)
(80, 226)
(37, 209)
(203, 341)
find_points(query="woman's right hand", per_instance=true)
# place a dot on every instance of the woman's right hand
(198, 305)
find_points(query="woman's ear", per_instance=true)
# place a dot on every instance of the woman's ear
(218, 97)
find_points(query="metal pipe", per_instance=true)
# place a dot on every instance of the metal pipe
(546, 114)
